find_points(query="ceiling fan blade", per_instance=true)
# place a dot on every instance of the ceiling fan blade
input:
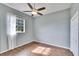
(39, 13)
(41, 9)
(30, 5)
(27, 11)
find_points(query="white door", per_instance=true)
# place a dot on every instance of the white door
(74, 34)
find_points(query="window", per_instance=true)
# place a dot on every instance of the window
(20, 25)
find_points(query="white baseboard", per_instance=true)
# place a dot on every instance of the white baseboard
(55, 45)
(23, 44)
(4, 51)
(15, 47)
(72, 51)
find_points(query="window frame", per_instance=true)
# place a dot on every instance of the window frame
(17, 19)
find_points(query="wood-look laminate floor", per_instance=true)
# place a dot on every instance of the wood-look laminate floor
(27, 49)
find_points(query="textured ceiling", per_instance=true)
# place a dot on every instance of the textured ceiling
(50, 7)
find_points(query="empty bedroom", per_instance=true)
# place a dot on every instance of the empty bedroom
(39, 29)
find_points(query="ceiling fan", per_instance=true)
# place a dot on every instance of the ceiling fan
(34, 10)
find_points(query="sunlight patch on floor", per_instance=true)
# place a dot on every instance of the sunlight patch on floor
(42, 50)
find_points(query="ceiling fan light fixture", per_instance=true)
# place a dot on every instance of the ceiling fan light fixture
(33, 12)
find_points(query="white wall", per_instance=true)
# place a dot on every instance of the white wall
(21, 39)
(54, 28)
(26, 37)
